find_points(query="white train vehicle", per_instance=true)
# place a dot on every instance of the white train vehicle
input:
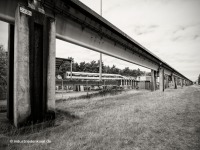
(92, 76)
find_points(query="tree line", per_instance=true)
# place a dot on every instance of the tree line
(3, 69)
(93, 67)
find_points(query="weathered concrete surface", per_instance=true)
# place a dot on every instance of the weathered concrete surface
(153, 80)
(175, 82)
(166, 81)
(51, 69)
(161, 79)
(22, 108)
(181, 82)
(34, 63)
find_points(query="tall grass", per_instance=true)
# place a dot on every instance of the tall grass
(130, 120)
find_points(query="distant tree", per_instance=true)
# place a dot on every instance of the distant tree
(199, 79)
(65, 67)
(126, 71)
(3, 67)
(94, 66)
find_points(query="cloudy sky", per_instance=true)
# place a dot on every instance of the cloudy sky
(168, 28)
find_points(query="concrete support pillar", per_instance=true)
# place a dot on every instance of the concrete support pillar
(161, 77)
(34, 67)
(181, 82)
(166, 81)
(153, 80)
(132, 84)
(175, 82)
(178, 81)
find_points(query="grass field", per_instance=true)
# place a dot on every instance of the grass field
(132, 120)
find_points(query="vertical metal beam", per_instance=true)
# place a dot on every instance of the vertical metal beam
(10, 78)
(71, 69)
(100, 67)
(100, 61)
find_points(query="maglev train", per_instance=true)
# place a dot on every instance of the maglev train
(92, 76)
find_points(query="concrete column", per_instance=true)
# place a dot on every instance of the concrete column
(181, 82)
(34, 67)
(167, 82)
(153, 80)
(161, 78)
(175, 82)
(132, 84)
(178, 81)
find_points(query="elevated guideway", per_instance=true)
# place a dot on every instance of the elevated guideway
(34, 26)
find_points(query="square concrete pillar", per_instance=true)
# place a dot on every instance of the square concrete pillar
(181, 82)
(161, 79)
(166, 81)
(174, 82)
(34, 67)
(153, 80)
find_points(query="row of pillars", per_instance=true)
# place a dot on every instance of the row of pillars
(165, 79)
(128, 82)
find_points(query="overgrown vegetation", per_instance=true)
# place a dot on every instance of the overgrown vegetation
(3, 70)
(102, 93)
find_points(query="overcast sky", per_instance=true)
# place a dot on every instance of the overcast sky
(168, 28)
